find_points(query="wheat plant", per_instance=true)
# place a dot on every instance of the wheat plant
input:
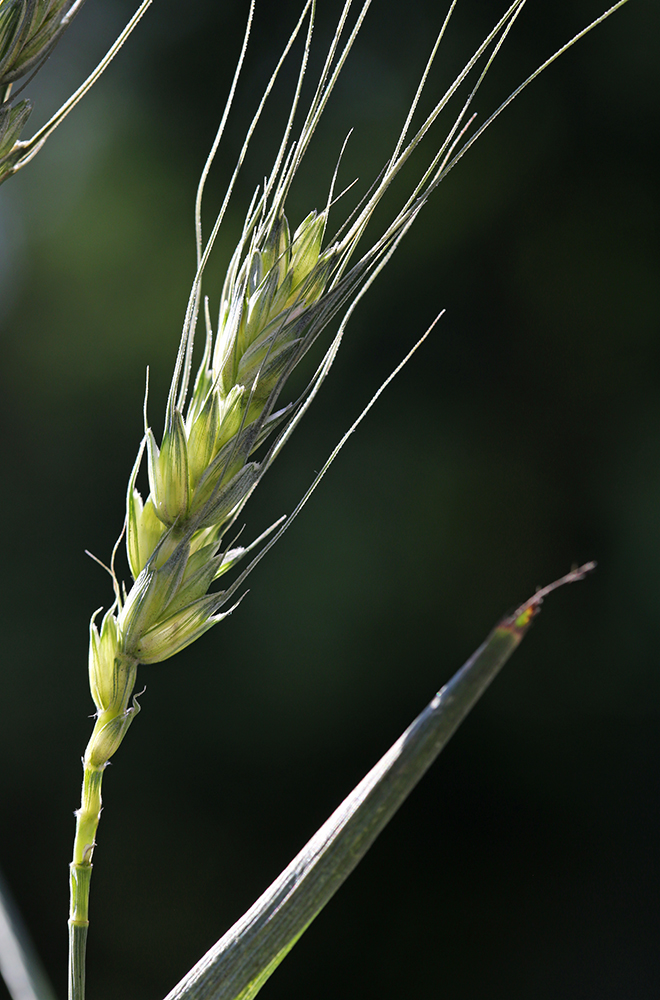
(223, 428)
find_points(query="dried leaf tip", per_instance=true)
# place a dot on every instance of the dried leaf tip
(522, 618)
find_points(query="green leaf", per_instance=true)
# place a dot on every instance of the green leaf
(239, 964)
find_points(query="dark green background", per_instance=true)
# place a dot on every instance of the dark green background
(523, 437)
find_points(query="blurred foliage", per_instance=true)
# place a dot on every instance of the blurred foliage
(524, 437)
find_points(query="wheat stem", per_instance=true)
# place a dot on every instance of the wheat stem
(109, 729)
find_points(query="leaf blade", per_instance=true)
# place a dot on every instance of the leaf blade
(238, 965)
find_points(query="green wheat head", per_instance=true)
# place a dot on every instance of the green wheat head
(280, 292)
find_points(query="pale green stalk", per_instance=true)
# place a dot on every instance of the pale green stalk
(109, 729)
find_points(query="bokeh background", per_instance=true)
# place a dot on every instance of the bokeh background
(523, 437)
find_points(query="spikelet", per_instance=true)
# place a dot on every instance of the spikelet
(12, 120)
(29, 29)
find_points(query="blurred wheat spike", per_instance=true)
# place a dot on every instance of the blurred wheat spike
(29, 30)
